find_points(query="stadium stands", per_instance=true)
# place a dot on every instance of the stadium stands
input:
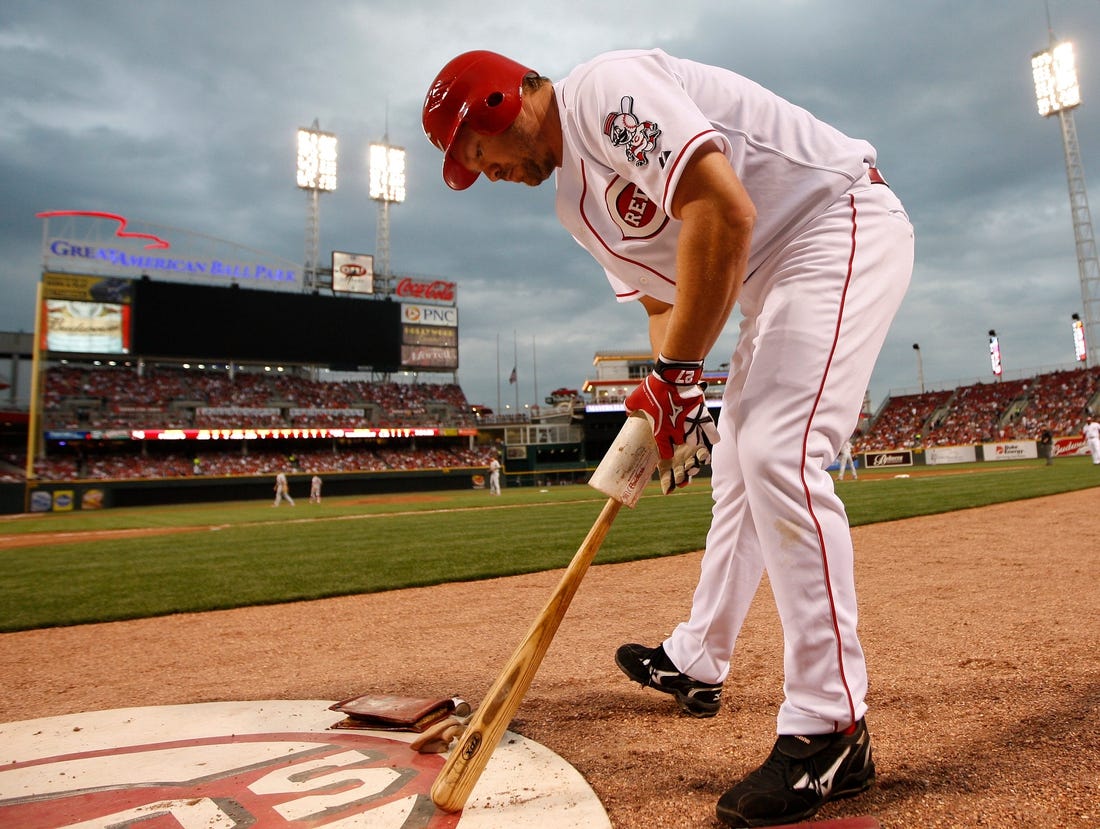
(121, 397)
(985, 412)
(105, 398)
(87, 397)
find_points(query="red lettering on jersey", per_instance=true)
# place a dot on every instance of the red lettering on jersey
(637, 216)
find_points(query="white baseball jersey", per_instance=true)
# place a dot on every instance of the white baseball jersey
(830, 261)
(1092, 438)
(630, 121)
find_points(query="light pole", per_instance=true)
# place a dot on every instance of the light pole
(1057, 93)
(316, 175)
(387, 186)
(920, 367)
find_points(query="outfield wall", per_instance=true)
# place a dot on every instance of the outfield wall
(68, 496)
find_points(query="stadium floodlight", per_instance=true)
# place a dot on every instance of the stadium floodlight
(387, 173)
(1057, 93)
(316, 175)
(316, 159)
(387, 186)
(1055, 74)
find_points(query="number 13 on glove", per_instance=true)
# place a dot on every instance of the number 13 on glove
(671, 398)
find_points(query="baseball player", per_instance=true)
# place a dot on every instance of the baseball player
(696, 189)
(1092, 438)
(315, 489)
(494, 477)
(282, 491)
(846, 461)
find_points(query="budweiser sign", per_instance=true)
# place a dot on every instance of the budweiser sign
(438, 290)
(1070, 446)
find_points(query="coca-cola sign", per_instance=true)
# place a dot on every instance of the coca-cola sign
(437, 290)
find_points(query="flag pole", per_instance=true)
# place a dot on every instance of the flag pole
(498, 374)
(535, 372)
(515, 362)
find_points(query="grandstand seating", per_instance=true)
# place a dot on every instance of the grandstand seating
(121, 397)
(985, 412)
(105, 398)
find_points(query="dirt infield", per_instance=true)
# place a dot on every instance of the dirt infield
(980, 629)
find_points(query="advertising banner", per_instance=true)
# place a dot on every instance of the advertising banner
(426, 356)
(885, 460)
(951, 454)
(87, 288)
(78, 327)
(352, 273)
(1013, 451)
(1067, 447)
(429, 315)
(437, 335)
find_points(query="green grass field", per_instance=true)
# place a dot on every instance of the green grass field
(215, 556)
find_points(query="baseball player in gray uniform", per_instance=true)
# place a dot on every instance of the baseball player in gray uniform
(696, 189)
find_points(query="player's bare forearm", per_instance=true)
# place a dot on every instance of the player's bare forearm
(712, 256)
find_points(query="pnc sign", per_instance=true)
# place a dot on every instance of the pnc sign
(429, 314)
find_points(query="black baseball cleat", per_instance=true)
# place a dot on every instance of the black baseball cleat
(652, 668)
(799, 776)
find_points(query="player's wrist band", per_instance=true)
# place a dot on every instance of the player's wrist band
(679, 372)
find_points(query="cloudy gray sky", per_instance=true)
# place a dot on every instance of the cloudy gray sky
(183, 114)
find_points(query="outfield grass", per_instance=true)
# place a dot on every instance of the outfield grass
(248, 553)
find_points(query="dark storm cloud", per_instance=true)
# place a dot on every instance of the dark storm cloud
(183, 115)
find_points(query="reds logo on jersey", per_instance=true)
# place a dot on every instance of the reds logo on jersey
(637, 216)
(625, 129)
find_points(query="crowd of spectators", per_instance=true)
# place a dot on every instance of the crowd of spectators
(102, 465)
(985, 412)
(169, 396)
(900, 423)
(105, 398)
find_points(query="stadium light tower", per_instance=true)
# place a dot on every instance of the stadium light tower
(316, 175)
(387, 186)
(920, 367)
(1057, 93)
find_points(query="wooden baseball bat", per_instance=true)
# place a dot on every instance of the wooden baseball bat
(618, 476)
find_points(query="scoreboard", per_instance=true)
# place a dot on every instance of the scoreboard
(173, 320)
(102, 316)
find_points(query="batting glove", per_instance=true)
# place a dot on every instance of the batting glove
(671, 397)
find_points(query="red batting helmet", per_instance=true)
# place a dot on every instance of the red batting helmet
(481, 89)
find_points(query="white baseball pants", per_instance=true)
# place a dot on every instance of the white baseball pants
(814, 319)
